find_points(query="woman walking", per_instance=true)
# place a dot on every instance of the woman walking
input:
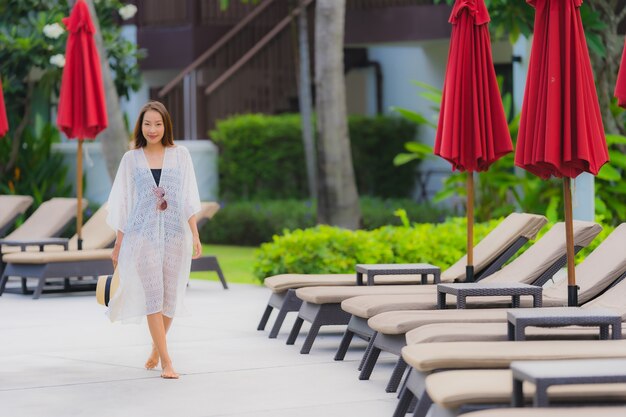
(152, 207)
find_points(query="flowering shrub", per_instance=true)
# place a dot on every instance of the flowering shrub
(32, 48)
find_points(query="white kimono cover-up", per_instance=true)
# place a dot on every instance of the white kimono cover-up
(155, 256)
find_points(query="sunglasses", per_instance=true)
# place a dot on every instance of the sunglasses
(159, 192)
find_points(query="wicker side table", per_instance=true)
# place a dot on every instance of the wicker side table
(371, 270)
(477, 289)
(563, 372)
(518, 320)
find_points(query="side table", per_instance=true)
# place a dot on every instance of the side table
(371, 270)
(563, 372)
(518, 320)
(476, 289)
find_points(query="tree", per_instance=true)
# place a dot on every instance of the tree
(337, 196)
(115, 137)
(611, 14)
(32, 44)
(305, 100)
(338, 200)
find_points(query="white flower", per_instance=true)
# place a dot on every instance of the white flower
(128, 11)
(53, 31)
(58, 60)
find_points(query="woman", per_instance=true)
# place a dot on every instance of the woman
(152, 207)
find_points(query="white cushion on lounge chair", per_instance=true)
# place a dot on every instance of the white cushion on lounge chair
(207, 210)
(428, 357)
(613, 299)
(493, 332)
(544, 252)
(514, 226)
(453, 389)
(618, 411)
(332, 295)
(368, 306)
(47, 220)
(96, 233)
(13, 205)
(400, 322)
(601, 267)
(64, 256)
(283, 282)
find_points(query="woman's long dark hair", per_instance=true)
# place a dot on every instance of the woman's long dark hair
(168, 134)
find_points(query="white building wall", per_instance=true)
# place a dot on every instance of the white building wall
(402, 64)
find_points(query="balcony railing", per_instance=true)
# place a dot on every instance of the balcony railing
(380, 4)
(250, 69)
(209, 12)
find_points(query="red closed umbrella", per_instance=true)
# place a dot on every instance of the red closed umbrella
(82, 109)
(4, 122)
(473, 131)
(561, 132)
(620, 87)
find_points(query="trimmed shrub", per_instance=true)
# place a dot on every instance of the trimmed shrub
(315, 251)
(251, 223)
(375, 143)
(262, 157)
(325, 249)
(320, 249)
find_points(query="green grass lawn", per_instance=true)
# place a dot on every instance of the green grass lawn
(235, 261)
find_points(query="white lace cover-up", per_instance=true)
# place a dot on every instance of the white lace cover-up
(155, 256)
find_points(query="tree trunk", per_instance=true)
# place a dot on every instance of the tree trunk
(338, 200)
(115, 137)
(606, 67)
(306, 102)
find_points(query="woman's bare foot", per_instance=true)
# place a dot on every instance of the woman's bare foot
(153, 360)
(168, 371)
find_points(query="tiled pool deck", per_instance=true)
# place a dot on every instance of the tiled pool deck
(60, 356)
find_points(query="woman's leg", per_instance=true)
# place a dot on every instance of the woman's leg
(156, 324)
(153, 360)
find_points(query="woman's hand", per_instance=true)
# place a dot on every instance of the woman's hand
(197, 247)
(115, 254)
(116, 249)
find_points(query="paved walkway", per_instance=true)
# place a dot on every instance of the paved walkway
(59, 356)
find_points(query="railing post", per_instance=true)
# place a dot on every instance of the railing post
(190, 105)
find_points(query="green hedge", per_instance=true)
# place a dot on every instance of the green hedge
(262, 156)
(250, 223)
(325, 249)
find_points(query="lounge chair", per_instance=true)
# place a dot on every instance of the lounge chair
(90, 262)
(551, 412)
(39, 230)
(11, 207)
(49, 220)
(454, 392)
(496, 330)
(427, 358)
(489, 255)
(95, 234)
(604, 266)
(536, 265)
(208, 263)
(450, 395)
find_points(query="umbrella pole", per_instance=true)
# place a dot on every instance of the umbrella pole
(572, 288)
(469, 269)
(79, 193)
